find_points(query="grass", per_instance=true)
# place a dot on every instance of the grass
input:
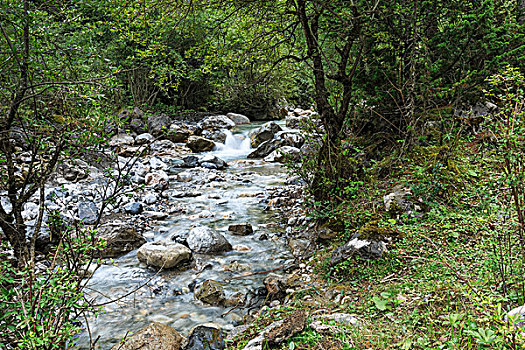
(439, 286)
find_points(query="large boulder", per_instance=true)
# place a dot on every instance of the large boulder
(208, 336)
(120, 140)
(284, 154)
(203, 239)
(121, 238)
(212, 162)
(238, 119)
(291, 138)
(216, 122)
(214, 135)
(163, 254)
(156, 336)
(265, 148)
(264, 133)
(200, 144)
(210, 292)
(158, 124)
(177, 133)
(87, 212)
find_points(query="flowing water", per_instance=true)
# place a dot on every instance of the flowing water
(167, 297)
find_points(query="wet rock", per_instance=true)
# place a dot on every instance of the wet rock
(157, 164)
(87, 212)
(162, 146)
(120, 238)
(264, 133)
(177, 133)
(191, 161)
(133, 208)
(163, 254)
(216, 122)
(291, 138)
(150, 198)
(365, 249)
(156, 336)
(265, 148)
(241, 229)
(208, 336)
(158, 124)
(184, 177)
(212, 162)
(144, 138)
(238, 119)
(210, 292)
(157, 215)
(283, 154)
(121, 140)
(157, 179)
(215, 135)
(205, 240)
(200, 144)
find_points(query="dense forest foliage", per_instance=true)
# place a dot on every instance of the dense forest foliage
(396, 85)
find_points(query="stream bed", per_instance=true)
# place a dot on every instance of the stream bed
(219, 199)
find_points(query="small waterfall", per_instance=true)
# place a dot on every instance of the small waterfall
(234, 146)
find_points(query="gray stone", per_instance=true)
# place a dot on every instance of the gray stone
(163, 254)
(157, 179)
(265, 148)
(87, 212)
(156, 336)
(238, 119)
(120, 238)
(208, 336)
(340, 318)
(264, 133)
(150, 198)
(157, 164)
(157, 215)
(215, 135)
(177, 133)
(158, 124)
(216, 122)
(121, 140)
(363, 248)
(133, 208)
(283, 154)
(203, 239)
(291, 138)
(400, 200)
(162, 146)
(210, 292)
(242, 229)
(217, 162)
(144, 138)
(200, 144)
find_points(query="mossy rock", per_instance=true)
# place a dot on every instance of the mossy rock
(371, 231)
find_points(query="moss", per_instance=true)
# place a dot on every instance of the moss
(373, 232)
